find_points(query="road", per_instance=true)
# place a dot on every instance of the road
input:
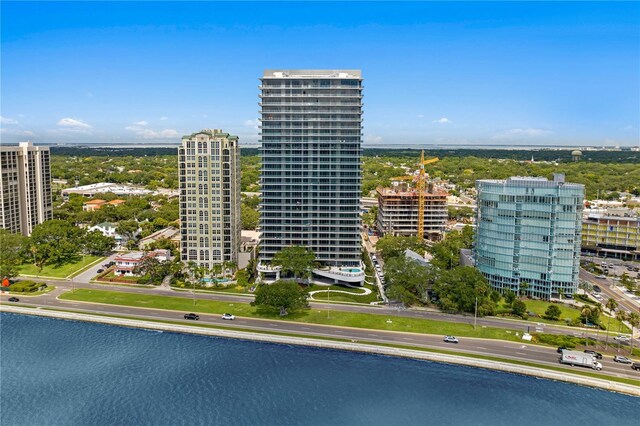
(520, 326)
(610, 291)
(503, 349)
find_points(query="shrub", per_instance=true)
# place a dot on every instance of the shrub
(553, 313)
(26, 286)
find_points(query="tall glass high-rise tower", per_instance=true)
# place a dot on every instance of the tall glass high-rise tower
(528, 230)
(311, 137)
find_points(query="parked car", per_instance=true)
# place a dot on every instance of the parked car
(100, 271)
(622, 359)
(228, 317)
(14, 299)
(598, 355)
(451, 339)
(192, 316)
(621, 338)
(636, 366)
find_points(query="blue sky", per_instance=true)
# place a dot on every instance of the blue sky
(445, 73)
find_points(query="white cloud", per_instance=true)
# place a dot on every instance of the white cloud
(145, 133)
(253, 124)
(420, 116)
(6, 120)
(73, 124)
(528, 133)
(443, 120)
(164, 118)
(372, 139)
(141, 123)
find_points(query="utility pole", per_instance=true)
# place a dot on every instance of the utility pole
(475, 316)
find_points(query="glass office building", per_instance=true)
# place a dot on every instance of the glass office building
(311, 135)
(529, 231)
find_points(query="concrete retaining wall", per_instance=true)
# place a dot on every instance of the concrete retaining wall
(345, 346)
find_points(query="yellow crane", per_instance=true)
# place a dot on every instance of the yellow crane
(421, 185)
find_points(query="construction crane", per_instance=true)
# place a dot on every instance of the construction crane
(421, 185)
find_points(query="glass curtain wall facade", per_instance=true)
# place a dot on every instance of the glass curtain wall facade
(311, 136)
(529, 231)
(209, 173)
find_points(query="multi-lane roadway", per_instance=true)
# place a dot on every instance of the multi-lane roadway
(504, 349)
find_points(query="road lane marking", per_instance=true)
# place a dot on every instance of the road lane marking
(480, 347)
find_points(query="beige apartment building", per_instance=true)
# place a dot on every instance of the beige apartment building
(209, 174)
(612, 235)
(25, 187)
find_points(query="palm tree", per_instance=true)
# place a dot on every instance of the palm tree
(611, 305)
(634, 320)
(620, 316)
(585, 312)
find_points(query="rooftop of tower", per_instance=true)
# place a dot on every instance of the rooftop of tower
(216, 133)
(312, 74)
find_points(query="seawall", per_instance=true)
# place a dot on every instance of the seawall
(345, 346)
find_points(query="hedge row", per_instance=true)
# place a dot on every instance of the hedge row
(27, 286)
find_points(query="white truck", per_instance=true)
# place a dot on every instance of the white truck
(580, 358)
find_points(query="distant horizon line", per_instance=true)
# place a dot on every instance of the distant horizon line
(506, 146)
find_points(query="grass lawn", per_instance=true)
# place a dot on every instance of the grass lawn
(236, 289)
(58, 271)
(336, 295)
(540, 306)
(315, 316)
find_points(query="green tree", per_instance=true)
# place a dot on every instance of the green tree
(461, 286)
(284, 295)
(296, 260)
(10, 248)
(56, 242)
(446, 253)
(509, 296)
(519, 308)
(391, 246)
(523, 288)
(553, 313)
(97, 244)
(407, 280)
(495, 296)
(249, 217)
(127, 229)
(369, 218)
(154, 270)
(611, 305)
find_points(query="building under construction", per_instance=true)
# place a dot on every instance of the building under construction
(398, 208)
